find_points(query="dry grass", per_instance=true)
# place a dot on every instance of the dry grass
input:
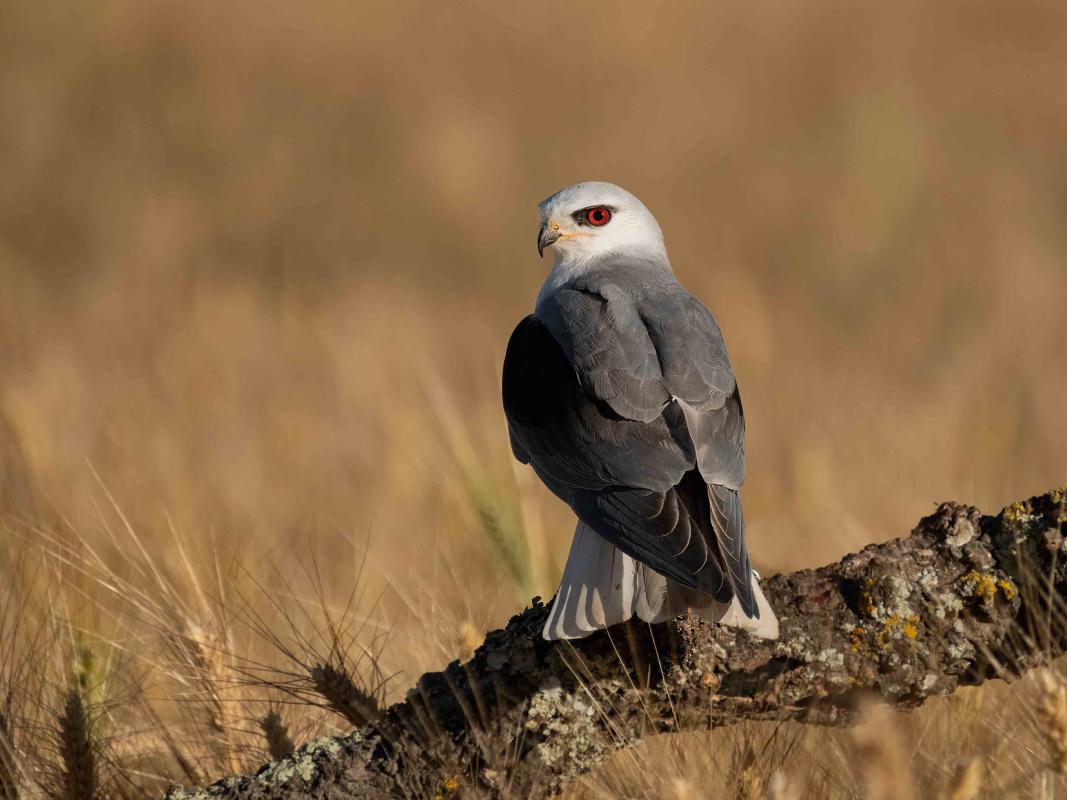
(880, 757)
(258, 267)
(967, 783)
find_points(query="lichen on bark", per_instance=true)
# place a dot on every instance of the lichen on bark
(964, 598)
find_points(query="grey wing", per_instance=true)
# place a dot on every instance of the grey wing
(572, 439)
(669, 531)
(729, 524)
(617, 449)
(689, 347)
(607, 344)
(697, 371)
(635, 483)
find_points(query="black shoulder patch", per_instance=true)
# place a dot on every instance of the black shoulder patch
(538, 381)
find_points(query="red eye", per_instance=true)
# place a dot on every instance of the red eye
(598, 216)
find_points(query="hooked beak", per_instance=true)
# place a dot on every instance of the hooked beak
(546, 237)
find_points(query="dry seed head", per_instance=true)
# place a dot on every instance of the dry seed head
(967, 782)
(750, 783)
(204, 651)
(1052, 711)
(200, 651)
(84, 668)
(749, 780)
(343, 695)
(76, 750)
(503, 528)
(467, 640)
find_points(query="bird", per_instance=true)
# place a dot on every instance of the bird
(619, 393)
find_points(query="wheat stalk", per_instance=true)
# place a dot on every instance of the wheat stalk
(279, 745)
(76, 750)
(1052, 711)
(502, 525)
(203, 652)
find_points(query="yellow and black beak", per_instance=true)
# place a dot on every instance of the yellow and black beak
(546, 237)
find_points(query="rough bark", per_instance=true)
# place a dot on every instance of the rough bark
(964, 598)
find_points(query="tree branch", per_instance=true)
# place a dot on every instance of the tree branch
(966, 597)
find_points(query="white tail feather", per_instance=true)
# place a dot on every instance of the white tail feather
(602, 586)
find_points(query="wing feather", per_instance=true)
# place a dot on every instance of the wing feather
(729, 525)
(607, 345)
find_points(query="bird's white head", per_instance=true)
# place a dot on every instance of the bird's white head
(593, 219)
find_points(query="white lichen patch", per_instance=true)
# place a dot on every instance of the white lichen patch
(947, 604)
(958, 645)
(550, 690)
(283, 772)
(566, 725)
(567, 722)
(798, 646)
(300, 764)
(831, 657)
(927, 578)
(963, 531)
(896, 595)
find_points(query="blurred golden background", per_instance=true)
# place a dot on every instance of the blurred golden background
(259, 263)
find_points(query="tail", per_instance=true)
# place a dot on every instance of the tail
(602, 586)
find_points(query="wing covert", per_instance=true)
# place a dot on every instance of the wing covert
(607, 344)
(689, 348)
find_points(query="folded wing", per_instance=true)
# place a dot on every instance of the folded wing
(628, 410)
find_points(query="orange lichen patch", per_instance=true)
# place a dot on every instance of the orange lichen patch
(985, 585)
(887, 632)
(448, 789)
(856, 638)
(1017, 511)
(1021, 511)
(895, 626)
(979, 584)
(909, 628)
(1008, 589)
(1059, 498)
